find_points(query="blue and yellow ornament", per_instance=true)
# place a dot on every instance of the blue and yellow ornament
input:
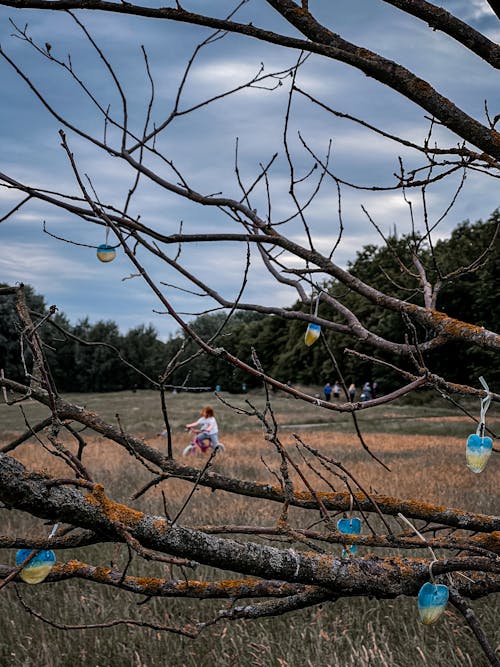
(432, 599)
(39, 566)
(479, 446)
(106, 253)
(312, 334)
(477, 452)
(313, 331)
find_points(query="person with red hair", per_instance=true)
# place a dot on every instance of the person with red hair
(208, 429)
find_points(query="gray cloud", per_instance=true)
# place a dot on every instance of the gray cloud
(202, 145)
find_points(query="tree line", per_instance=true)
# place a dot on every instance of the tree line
(89, 357)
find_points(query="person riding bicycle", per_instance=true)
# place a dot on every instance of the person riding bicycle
(208, 429)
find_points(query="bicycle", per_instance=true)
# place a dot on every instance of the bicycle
(195, 445)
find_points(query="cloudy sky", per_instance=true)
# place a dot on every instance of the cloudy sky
(202, 144)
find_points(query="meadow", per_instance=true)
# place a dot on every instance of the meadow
(422, 441)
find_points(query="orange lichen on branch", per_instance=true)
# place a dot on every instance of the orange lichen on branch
(324, 563)
(115, 512)
(226, 588)
(451, 326)
(395, 505)
(233, 586)
(400, 564)
(452, 516)
(339, 499)
(305, 496)
(160, 525)
(75, 568)
(150, 585)
(230, 586)
(72, 567)
(282, 525)
(490, 542)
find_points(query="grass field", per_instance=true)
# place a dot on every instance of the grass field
(422, 444)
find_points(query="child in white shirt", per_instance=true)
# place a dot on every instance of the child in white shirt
(208, 429)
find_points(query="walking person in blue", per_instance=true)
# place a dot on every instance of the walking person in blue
(327, 390)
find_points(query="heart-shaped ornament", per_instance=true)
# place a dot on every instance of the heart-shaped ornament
(349, 527)
(478, 451)
(432, 599)
(312, 334)
(38, 568)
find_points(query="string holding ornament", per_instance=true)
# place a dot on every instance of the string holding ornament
(40, 565)
(105, 252)
(479, 446)
(432, 597)
(313, 330)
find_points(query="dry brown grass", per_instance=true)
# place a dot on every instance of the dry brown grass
(351, 632)
(429, 468)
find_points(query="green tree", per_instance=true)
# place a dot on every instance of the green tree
(97, 367)
(475, 294)
(11, 353)
(142, 348)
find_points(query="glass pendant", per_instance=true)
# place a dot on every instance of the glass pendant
(478, 451)
(312, 334)
(106, 253)
(349, 527)
(432, 599)
(38, 568)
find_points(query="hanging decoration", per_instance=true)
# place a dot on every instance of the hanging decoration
(312, 334)
(313, 331)
(39, 566)
(479, 446)
(106, 252)
(478, 451)
(432, 599)
(349, 527)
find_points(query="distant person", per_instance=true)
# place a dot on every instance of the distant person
(327, 390)
(366, 392)
(352, 391)
(336, 389)
(374, 389)
(208, 429)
